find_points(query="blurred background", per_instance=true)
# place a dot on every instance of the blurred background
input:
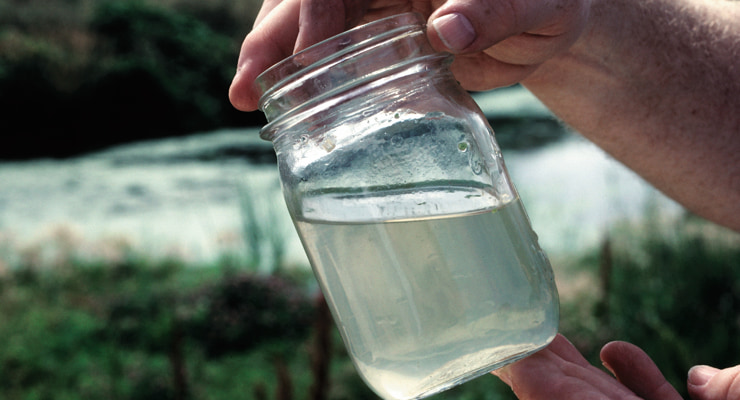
(145, 251)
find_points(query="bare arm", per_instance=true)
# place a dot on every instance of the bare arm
(656, 83)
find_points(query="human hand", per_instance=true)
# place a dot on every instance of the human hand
(560, 372)
(497, 42)
(708, 383)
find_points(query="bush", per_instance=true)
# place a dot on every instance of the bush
(143, 329)
(127, 71)
(161, 73)
(247, 311)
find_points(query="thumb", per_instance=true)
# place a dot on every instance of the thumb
(708, 383)
(636, 370)
(472, 26)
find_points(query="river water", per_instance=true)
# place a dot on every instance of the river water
(185, 197)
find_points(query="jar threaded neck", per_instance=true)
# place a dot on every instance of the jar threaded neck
(343, 62)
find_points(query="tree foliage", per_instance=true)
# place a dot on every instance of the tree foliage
(129, 70)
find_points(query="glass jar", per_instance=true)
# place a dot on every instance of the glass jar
(399, 193)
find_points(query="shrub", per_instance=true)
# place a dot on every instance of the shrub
(125, 71)
(246, 311)
(160, 67)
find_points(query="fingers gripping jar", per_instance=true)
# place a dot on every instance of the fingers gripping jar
(399, 194)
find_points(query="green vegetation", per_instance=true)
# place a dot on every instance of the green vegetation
(146, 330)
(78, 75)
(137, 328)
(672, 290)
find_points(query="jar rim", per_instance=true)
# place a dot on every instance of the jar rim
(333, 47)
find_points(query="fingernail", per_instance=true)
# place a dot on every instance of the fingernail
(455, 30)
(608, 367)
(701, 374)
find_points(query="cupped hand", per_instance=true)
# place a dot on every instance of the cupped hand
(497, 42)
(560, 372)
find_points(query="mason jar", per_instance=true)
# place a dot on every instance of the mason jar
(400, 196)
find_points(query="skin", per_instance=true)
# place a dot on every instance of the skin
(561, 372)
(287, 26)
(655, 83)
(657, 88)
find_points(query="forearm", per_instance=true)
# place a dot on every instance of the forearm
(656, 83)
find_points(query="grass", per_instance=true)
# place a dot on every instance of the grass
(123, 331)
(133, 327)
(672, 289)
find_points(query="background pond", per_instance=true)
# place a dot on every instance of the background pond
(185, 196)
